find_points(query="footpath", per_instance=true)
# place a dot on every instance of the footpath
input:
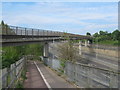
(40, 76)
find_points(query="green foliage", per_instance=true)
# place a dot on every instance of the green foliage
(103, 37)
(109, 42)
(11, 54)
(5, 29)
(116, 35)
(23, 75)
(35, 50)
(20, 85)
(88, 34)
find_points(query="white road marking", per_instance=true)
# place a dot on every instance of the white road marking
(47, 84)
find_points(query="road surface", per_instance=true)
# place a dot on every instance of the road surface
(36, 80)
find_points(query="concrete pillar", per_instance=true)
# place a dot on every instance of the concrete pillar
(86, 43)
(53, 40)
(80, 48)
(46, 50)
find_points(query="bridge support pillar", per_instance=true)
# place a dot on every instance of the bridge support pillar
(86, 42)
(46, 50)
(80, 48)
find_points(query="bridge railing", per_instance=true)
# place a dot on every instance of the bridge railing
(13, 30)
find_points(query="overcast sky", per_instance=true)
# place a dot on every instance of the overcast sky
(72, 17)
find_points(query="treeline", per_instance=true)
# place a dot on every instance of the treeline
(13, 53)
(5, 29)
(107, 38)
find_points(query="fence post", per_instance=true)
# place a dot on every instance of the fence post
(38, 32)
(16, 30)
(32, 33)
(6, 30)
(21, 32)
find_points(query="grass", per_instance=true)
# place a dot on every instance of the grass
(21, 80)
(19, 85)
(109, 42)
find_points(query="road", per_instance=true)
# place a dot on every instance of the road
(101, 62)
(95, 59)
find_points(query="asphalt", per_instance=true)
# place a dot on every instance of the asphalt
(53, 79)
(34, 79)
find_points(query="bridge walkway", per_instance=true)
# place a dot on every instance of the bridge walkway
(35, 81)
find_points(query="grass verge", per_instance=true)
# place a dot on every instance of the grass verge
(21, 80)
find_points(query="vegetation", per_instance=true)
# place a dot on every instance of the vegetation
(35, 50)
(5, 29)
(106, 38)
(21, 80)
(11, 54)
(67, 52)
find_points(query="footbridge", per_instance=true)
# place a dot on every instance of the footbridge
(14, 35)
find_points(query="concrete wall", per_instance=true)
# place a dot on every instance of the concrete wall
(102, 51)
(84, 75)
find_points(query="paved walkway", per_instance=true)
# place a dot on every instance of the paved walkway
(35, 80)
(52, 78)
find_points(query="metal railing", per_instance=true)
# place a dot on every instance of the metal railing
(13, 30)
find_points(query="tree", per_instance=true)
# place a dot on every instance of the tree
(67, 51)
(88, 34)
(6, 29)
(96, 35)
(116, 35)
(2, 23)
(103, 32)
